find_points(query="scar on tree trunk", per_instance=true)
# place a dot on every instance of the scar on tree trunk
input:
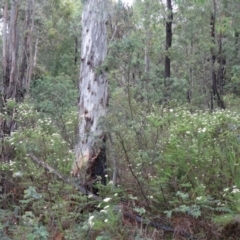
(96, 169)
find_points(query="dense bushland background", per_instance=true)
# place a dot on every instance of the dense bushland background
(174, 163)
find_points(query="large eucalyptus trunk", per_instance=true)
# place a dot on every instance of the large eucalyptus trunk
(90, 151)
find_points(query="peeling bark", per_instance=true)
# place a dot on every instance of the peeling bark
(90, 151)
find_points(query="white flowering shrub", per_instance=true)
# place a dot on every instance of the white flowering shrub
(203, 148)
(56, 98)
(168, 160)
(199, 155)
(38, 135)
(105, 222)
(165, 151)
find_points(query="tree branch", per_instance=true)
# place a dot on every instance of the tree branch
(82, 189)
(85, 192)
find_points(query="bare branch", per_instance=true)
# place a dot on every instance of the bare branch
(82, 189)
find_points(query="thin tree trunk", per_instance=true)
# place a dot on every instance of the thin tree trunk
(190, 79)
(167, 74)
(35, 53)
(76, 51)
(146, 57)
(222, 63)
(90, 151)
(4, 52)
(27, 58)
(30, 45)
(11, 81)
(168, 39)
(221, 55)
(215, 86)
(236, 36)
(146, 50)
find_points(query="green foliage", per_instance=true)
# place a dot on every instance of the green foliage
(36, 230)
(38, 233)
(176, 160)
(45, 200)
(38, 135)
(41, 137)
(56, 98)
(59, 22)
(181, 158)
(55, 95)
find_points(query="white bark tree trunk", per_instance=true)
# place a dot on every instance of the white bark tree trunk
(17, 60)
(5, 46)
(11, 83)
(90, 151)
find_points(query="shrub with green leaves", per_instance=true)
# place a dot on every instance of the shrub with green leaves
(199, 154)
(40, 136)
(201, 147)
(165, 151)
(56, 98)
(54, 95)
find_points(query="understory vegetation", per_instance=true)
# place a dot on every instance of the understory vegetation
(173, 146)
(174, 166)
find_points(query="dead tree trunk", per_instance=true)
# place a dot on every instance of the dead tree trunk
(90, 151)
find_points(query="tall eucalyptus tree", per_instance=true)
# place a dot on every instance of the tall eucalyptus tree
(90, 151)
(17, 57)
(17, 61)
